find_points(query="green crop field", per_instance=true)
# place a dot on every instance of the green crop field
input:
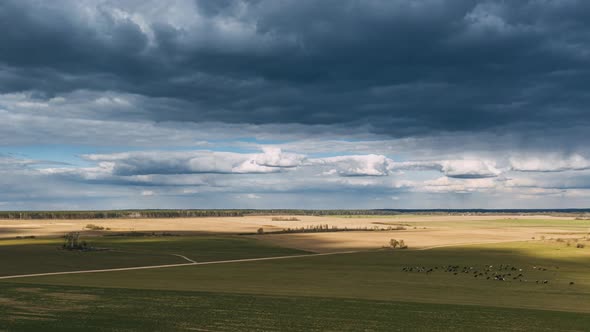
(44, 255)
(359, 291)
(57, 308)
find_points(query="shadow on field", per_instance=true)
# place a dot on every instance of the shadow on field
(457, 275)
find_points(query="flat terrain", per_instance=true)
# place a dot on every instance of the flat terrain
(379, 276)
(502, 280)
(420, 231)
(44, 255)
(58, 308)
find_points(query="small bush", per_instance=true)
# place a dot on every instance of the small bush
(285, 219)
(94, 227)
(580, 245)
(260, 230)
(393, 243)
(25, 237)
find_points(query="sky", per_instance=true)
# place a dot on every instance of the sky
(332, 104)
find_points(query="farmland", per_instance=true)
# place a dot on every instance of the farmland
(370, 289)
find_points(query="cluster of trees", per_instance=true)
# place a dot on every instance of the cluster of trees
(181, 213)
(119, 214)
(94, 227)
(327, 228)
(72, 242)
(394, 244)
(285, 219)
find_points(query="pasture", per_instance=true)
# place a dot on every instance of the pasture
(443, 284)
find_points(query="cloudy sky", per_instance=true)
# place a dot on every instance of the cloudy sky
(294, 104)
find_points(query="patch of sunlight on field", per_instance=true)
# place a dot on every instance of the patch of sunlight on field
(369, 216)
(548, 249)
(575, 225)
(380, 275)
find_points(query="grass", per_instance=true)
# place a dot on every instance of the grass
(379, 276)
(52, 308)
(44, 255)
(349, 292)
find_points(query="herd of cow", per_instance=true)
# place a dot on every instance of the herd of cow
(489, 272)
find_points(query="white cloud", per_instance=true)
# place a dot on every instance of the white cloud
(469, 169)
(461, 168)
(275, 157)
(80, 185)
(446, 184)
(360, 165)
(549, 163)
(248, 196)
(195, 162)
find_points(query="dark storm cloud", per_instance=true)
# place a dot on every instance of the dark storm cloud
(402, 68)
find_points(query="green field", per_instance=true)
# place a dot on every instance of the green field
(44, 255)
(52, 308)
(349, 292)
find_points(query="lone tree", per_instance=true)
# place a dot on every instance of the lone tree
(72, 242)
(402, 244)
(393, 243)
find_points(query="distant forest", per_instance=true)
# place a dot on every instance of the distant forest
(250, 212)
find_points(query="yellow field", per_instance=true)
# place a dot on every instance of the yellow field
(419, 231)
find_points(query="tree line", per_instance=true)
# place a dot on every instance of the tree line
(192, 213)
(181, 213)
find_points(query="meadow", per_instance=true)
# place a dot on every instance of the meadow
(452, 287)
(45, 255)
(67, 308)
